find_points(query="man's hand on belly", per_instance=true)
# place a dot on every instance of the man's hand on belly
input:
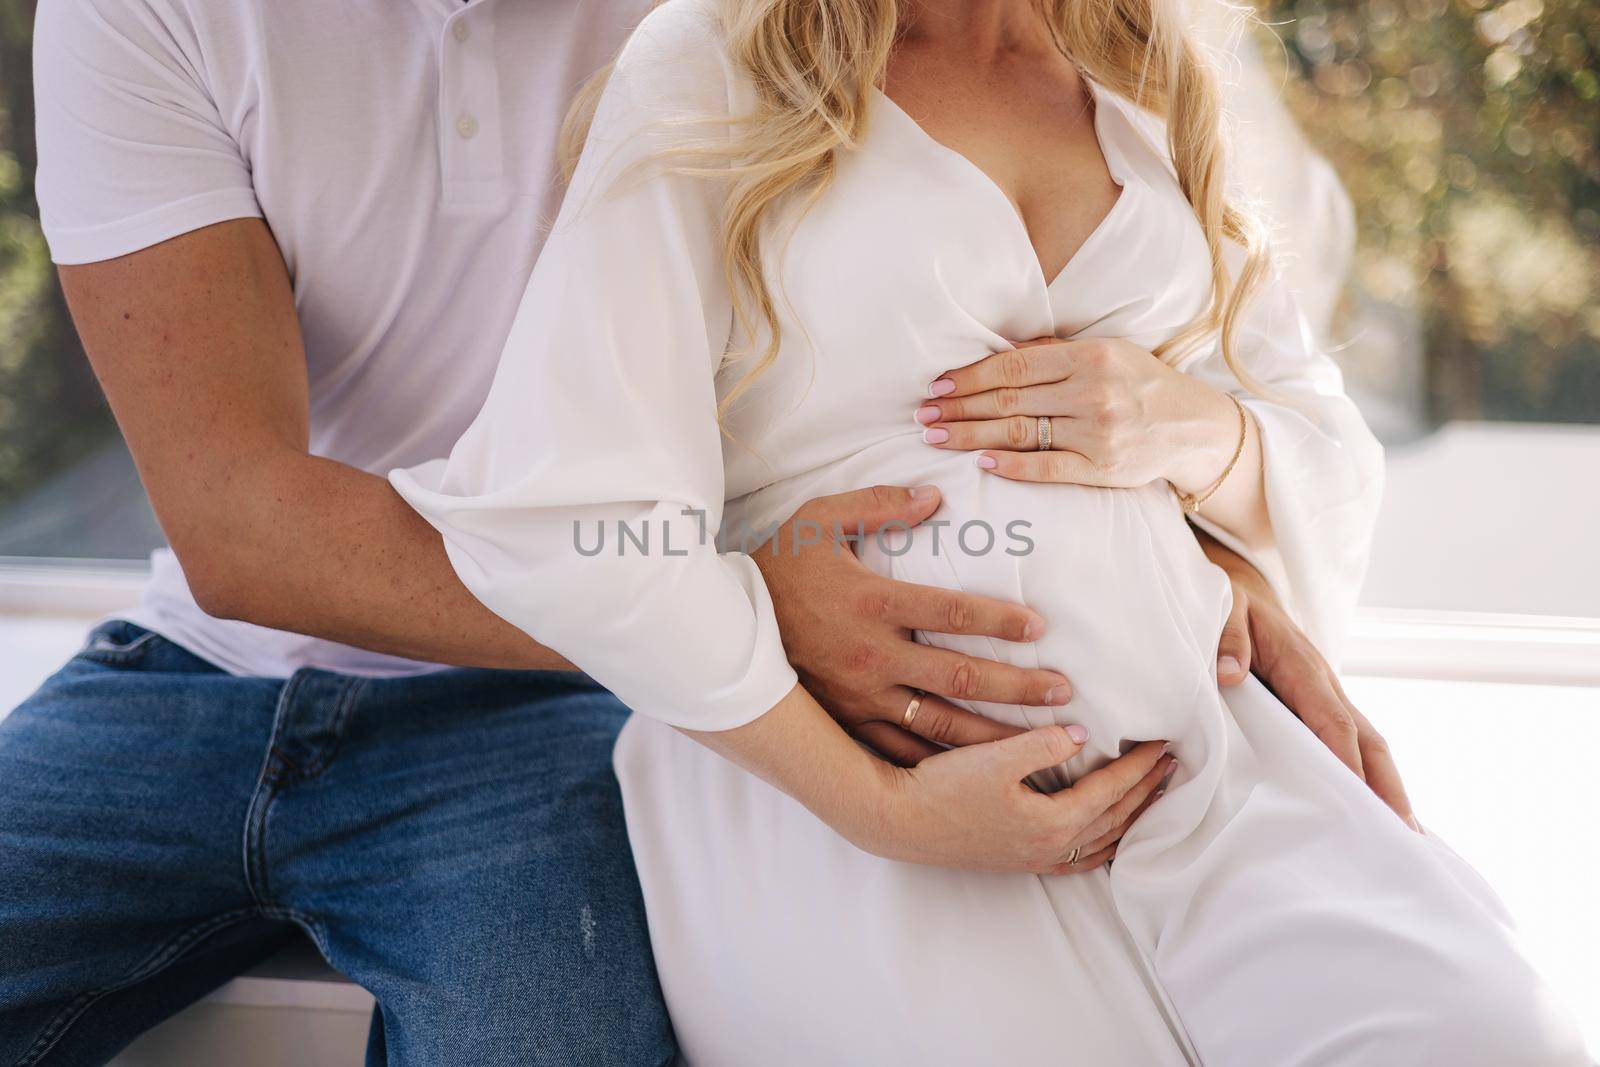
(849, 632)
(1260, 638)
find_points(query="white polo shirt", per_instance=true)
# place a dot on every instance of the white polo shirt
(403, 154)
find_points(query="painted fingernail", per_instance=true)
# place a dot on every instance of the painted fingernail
(1229, 665)
(988, 463)
(923, 492)
(1166, 746)
(1034, 630)
(942, 387)
(1078, 734)
(926, 414)
(936, 436)
(1057, 695)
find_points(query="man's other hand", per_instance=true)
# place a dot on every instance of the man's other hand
(1260, 637)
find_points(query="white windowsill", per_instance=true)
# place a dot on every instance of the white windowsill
(1474, 647)
(63, 589)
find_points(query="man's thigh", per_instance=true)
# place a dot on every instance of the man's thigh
(456, 843)
(123, 785)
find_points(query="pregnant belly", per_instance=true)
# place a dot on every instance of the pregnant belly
(1132, 606)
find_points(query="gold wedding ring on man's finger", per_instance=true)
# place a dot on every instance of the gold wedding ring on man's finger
(910, 715)
(1072, 857)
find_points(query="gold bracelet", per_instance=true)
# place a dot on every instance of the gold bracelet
(1191, 502)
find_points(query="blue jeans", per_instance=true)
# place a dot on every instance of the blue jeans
(453, 842)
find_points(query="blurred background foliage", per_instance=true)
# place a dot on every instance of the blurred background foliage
(1465, 132)
(51, 411)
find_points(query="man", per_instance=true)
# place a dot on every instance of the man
(293, 236)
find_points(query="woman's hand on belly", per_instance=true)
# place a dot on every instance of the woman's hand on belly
(1074, 830)
(1118, 418)
(966, 808)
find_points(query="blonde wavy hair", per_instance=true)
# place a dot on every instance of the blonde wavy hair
(814, 65)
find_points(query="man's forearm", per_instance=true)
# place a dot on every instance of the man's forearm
(324, 549)
(197, 344)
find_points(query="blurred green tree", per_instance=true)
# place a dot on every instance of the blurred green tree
(51, 410)
(1465, 131)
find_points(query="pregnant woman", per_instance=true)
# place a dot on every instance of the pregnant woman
(790, 218)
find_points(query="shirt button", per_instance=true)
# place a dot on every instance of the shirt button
(467, 127)
(459, 28)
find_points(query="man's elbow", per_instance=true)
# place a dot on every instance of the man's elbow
(230, 548)
(223, 583)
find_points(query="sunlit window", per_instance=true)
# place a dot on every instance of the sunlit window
(1465, 133)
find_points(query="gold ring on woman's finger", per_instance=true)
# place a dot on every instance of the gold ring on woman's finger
(1072, 857)
(1044, 433)
(910, 715)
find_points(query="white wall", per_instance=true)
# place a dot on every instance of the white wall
(1492, 517)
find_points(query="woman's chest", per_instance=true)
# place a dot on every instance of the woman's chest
(1039, 145)
(915, 262)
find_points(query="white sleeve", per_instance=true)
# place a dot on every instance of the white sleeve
(1323, 467)
(132, 149)
(604, 412)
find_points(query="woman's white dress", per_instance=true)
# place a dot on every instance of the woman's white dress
(1269, 910)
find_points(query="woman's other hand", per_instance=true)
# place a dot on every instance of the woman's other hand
(967, 808)
(972, 801)
(1119, 416)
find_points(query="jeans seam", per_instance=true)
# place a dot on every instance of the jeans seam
(266, 790)
(312, 927)
(267, 782)
(114, 655)
(255, 873)
(156, 962)
(341, 716)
